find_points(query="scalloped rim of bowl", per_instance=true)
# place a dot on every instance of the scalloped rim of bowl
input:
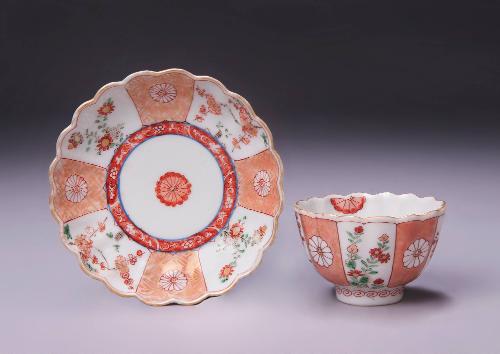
(300, 209)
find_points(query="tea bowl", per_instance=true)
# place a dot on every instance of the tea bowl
(370, 246)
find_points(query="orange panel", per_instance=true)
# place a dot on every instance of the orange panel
(161, 97)
(258, 183)
(79, 189)
(412, 236)
(172, 276)
(327, 230)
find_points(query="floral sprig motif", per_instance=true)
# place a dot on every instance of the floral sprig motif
(222, 131)
(103, 137)
(236, 237)
(364, 274)
(94, 259)
(212, 106)
(226, 271)
(249, 129)
(75, 140)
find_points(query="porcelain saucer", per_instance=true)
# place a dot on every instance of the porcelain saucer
(167, 187)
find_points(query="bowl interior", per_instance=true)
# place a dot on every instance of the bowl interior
(379, 205)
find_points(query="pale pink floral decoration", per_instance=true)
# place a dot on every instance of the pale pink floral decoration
(173, 280)
(415, 253)
(353, 249)
(163, 93)
(262, 183)
(320, 252)
(84, 245)
(76, 188)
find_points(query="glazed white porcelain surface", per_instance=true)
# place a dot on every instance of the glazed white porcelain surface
(378, 205)
(370, 246)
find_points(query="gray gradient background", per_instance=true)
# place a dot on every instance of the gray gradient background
(360, 96)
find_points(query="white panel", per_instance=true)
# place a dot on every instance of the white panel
(367, 252)
(100, 131)
(227, 120)
(236, 248)
(105, 250)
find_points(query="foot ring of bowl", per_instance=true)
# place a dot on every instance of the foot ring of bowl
(369, 297)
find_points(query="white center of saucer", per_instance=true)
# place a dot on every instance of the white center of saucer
(144, 167)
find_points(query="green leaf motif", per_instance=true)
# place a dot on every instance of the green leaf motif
(67, 233)
(264, 138)
(89, 267)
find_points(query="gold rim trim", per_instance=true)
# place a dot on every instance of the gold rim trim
(227, 92)
(377, 218)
